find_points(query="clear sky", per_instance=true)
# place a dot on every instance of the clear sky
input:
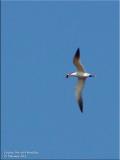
(39, 109)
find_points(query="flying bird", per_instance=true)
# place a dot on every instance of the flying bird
(82, 75)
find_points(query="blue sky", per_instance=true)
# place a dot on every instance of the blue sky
(39, 109)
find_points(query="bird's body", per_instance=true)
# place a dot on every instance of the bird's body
(81, 74)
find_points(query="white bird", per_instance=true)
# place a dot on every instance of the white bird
(81, 75)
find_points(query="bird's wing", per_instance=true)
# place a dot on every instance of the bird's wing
(76, 61)
(79, 89)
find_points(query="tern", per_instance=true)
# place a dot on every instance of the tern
(82, 75)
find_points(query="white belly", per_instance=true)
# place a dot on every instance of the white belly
(83, 75)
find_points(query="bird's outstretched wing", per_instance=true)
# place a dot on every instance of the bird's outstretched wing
(79, 89)
(76, 61)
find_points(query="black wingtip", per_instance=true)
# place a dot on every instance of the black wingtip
(80, 103)
(78, 49)
(77, 54)
(81, 110)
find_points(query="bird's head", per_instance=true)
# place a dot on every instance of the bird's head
(92, 75)
(67, 75)
(73, 74)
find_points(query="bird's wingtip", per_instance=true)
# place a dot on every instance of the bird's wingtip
(78, 49)
(80, 103)
(81, 109)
